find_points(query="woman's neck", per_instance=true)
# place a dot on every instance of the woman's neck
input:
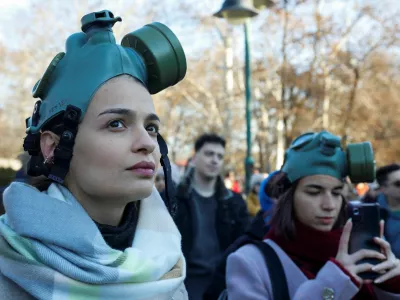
(104, 211)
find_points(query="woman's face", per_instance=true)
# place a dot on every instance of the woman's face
(118, 131)
(317, 201)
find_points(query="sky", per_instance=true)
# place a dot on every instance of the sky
(14, 9)
(9, 9)
(13, 4)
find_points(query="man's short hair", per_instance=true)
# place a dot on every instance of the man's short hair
(210, 138)
(382, 173)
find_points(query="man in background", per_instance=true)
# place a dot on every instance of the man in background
(388, 178)
(210, 217)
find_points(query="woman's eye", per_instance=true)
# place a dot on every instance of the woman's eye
(313, 193)
(152, 128)
(116, 124)
(336, 194)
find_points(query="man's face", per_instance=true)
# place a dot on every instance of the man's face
(209, 160)
(392, 186)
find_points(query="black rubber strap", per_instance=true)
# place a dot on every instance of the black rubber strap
(169, 185)
(275, 269)
(63, 151)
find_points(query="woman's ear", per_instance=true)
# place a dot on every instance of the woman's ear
(48, 143)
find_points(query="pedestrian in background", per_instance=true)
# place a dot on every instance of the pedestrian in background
(253, 203)
(210, 217)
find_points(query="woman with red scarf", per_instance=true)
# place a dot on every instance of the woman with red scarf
(309, 236)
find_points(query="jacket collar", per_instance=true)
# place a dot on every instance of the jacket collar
(185, 188)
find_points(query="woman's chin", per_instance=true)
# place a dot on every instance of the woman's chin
(124, 190)
(142, 191)
(323, 227)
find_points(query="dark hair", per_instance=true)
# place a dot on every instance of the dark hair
(382, 173)
(283, 219)
(211, 138)
(272, 189)
(369, 197)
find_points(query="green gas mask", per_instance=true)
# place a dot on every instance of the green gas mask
(321, 154)
(152, 54)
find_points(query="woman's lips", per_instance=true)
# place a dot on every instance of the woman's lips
(143, 172)
(143, 168)
(326, 220)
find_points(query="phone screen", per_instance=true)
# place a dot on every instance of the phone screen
(365, 218)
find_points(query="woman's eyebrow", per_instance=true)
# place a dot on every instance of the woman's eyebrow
(316, 186)
(152, 117)
(313, 186)
(119, 111)
(129, 113)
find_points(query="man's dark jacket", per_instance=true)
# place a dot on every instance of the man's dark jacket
(232, 217)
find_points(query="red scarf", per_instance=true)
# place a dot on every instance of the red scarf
(311, 249)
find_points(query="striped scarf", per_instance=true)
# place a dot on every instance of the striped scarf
(52, 249)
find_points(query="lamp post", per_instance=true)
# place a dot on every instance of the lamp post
(239, 12)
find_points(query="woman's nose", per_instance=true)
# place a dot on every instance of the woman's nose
(328, 202)
(143, 141)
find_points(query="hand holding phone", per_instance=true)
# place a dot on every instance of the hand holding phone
(355, 262)
(365, 227)
(390, 268)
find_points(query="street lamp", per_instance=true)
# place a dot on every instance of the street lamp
(239, 12)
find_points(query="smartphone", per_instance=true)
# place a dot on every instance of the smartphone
(365, 218)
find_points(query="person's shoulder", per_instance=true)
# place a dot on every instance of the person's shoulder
(249, 257)
(249, 247)
(234, 196)
(248, 250)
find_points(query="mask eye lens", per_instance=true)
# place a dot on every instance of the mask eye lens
(302, 140)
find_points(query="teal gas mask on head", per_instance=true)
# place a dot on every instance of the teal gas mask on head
(153, 55)
(321, 154)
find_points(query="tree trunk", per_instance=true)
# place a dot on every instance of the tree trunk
(327, 99)
(280, 128)
(350, 106)
(228, 86)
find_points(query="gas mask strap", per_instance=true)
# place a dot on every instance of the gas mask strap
(169, 185)
(63, 151)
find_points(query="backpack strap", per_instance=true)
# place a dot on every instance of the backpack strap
(275, 269)
(274, 265)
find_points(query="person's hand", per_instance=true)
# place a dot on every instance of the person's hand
(391, 266)
(349, 261)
